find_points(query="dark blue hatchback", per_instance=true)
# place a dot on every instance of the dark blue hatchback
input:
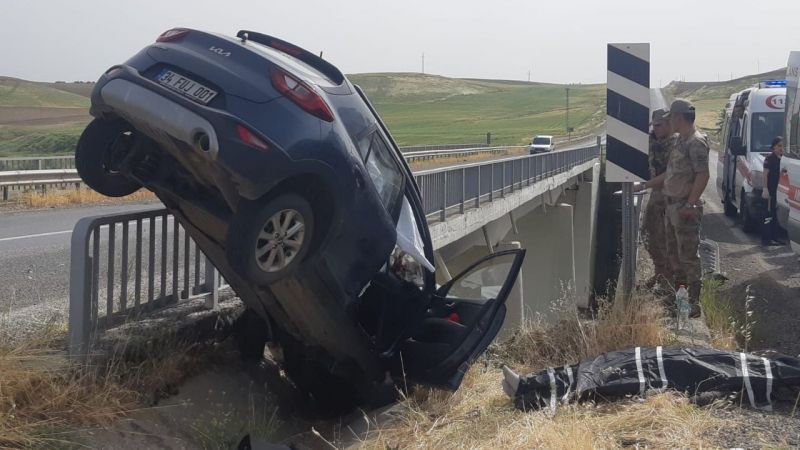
(287, 178)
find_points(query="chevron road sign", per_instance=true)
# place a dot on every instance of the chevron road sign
(628, 112)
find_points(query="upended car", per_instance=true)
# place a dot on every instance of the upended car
(286, 177)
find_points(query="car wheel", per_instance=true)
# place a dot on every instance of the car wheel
(268, 241)
(100, 150)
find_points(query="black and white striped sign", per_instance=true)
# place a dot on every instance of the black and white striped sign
(628, 112)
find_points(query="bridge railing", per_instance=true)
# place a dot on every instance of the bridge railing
(456, 188)
(122, 265)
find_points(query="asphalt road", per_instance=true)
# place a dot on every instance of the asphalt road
(34, 258)
(772, 272)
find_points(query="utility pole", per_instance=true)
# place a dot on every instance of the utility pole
(568, 130)
(423, 62)
(529, 76)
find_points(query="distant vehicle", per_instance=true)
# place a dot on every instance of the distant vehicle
(789, 185)
(291, 184)
(542, 144)
(752, 120)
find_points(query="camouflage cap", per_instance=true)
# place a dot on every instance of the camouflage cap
(680, 106)
(659, 116)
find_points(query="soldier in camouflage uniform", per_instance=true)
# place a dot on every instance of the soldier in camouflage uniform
(683, 184)
(654, 232)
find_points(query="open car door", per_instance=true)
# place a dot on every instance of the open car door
(464, 317)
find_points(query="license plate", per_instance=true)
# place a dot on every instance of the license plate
(186, 86)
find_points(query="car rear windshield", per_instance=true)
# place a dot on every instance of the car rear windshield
(541, 141)
(294, 64)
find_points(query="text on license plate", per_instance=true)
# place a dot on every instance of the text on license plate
(186, 86)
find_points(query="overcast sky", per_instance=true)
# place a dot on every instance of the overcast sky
(558, 41)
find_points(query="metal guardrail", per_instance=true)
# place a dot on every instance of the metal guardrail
(37, 163)
(22, 178)
(126, 264)
(412, 157)
(465, 186)
(438, 147)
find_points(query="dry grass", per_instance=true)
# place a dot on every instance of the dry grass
(42, 393)
(719, 316)
(64, 197)
(480, 415)
(45, 397)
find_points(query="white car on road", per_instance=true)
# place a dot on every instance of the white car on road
(541, 144)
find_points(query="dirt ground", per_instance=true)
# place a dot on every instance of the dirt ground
(773, 273)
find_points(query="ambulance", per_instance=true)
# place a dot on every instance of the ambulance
(754, 117)
(789, 185)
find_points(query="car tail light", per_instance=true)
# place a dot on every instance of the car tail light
(301, 94)
(172, 35)
(249, 138)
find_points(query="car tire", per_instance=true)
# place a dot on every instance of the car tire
(288, 220)
(98, 150)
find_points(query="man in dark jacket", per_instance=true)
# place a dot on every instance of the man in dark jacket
(772, 170)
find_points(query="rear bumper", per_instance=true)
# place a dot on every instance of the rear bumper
(202, 139)
(143, 108)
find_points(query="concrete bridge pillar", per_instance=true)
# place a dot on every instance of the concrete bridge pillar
(549, 268)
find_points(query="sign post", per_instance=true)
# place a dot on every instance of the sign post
(627, 143)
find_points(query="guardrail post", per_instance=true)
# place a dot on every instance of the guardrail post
(211, 285)
(503, 181)
(444, 196)
(80, 281)
(463, 189)
(39, 163)
(478, 196)
(491, 183)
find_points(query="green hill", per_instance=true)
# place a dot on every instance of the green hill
(430, 109)
(15, 92)
(710, 97)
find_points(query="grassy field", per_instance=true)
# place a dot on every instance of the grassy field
(46, 118)
(710, 97)
(41, 118)
(428, 109)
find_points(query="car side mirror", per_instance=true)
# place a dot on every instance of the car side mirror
(737, 149)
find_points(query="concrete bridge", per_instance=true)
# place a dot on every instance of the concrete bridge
(545, 203)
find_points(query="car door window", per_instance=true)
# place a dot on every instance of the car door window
(487, 279)
(383, 170)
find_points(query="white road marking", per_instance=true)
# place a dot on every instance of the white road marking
(30, 236)
(55, 233)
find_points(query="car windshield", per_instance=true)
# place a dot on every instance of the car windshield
(765, 127)
(541, 141)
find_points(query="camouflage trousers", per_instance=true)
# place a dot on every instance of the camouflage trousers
(683, 240)
(654, 234)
